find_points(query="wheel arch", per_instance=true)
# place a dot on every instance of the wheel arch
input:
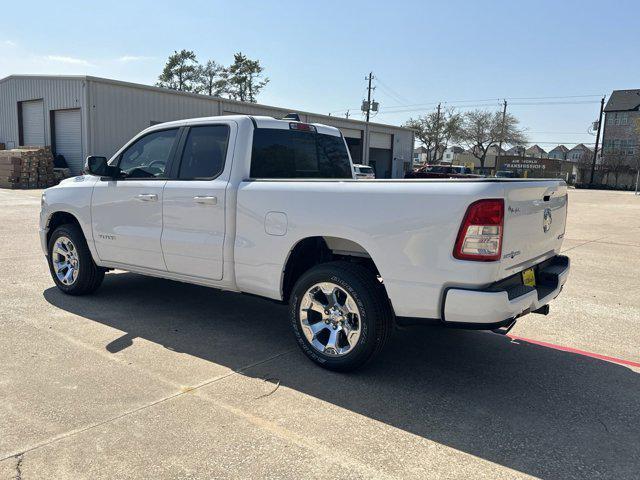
(311, 251)
(59, 218)
(62, 217)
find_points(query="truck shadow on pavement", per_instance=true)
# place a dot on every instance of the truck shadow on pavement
(544, 412)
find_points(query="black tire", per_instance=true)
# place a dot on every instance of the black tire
(89, 276)
(376, 317)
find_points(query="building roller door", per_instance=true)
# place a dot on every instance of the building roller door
(380, 156)
(33, 123)
(68, 138)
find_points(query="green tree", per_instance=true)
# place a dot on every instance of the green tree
(211, 79)
(435, 130)
(244, 78)
(180, 72)
(482, 129)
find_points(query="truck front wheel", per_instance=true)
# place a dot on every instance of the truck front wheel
(70, 263)
(340, 315)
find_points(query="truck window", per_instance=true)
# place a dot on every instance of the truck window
(204, 152)
(148, 156)
(279, 153)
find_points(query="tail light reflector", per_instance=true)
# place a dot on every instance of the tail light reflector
(480, 235)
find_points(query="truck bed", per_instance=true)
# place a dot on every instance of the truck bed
(408, 228)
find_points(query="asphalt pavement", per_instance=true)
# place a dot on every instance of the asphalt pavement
(150, 378)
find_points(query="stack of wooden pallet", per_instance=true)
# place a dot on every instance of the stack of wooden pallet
(26, 167)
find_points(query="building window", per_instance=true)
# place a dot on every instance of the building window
(618, 118)
(626, 147)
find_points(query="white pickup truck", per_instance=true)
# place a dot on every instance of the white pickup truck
(271, 207)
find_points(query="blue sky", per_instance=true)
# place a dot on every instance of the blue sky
(318, 53)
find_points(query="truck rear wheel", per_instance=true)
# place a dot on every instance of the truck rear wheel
(70, 263)
(340, 315)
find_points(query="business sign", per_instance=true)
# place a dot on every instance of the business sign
(535, 166)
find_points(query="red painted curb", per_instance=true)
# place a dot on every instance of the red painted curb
(606, 358)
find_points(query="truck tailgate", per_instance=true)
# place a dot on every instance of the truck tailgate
(534, 223)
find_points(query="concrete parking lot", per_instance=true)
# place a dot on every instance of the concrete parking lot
(155, 379)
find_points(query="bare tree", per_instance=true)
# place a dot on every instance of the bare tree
(584, 165)
(482, 129)
(615, 162)
(635, 170)
(436, 130)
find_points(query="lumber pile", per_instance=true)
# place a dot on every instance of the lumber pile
(27, 167)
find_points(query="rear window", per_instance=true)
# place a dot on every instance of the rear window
(298, 154)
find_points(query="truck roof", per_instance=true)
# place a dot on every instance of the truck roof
(258, 121)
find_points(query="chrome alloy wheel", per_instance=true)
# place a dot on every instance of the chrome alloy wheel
(330, 319)
(64, 257)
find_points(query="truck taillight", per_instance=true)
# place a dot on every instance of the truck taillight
(480, 235)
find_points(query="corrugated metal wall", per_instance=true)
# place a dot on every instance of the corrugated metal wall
(116, 111)
(57, 93)
(119, 111)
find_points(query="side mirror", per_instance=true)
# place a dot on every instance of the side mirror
(98, 166)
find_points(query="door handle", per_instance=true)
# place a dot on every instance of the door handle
(206, 200)
(147, 197)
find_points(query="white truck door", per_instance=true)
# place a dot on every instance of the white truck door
(194, 201)
(126, 213)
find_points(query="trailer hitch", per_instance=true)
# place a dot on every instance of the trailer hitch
(506, 328)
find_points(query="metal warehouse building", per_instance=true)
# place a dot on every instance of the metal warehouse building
(81, 115)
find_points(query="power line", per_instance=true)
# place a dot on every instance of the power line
(560, 133)
(506, 98)
(388, 110)
(551, 98)
(391, 91)
(480, 102)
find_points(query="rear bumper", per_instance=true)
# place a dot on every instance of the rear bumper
(505, 300)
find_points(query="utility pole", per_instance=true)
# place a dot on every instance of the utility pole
(435, 153)
(347, 114)
(595, 151)
(370, 77)
(504, 120)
